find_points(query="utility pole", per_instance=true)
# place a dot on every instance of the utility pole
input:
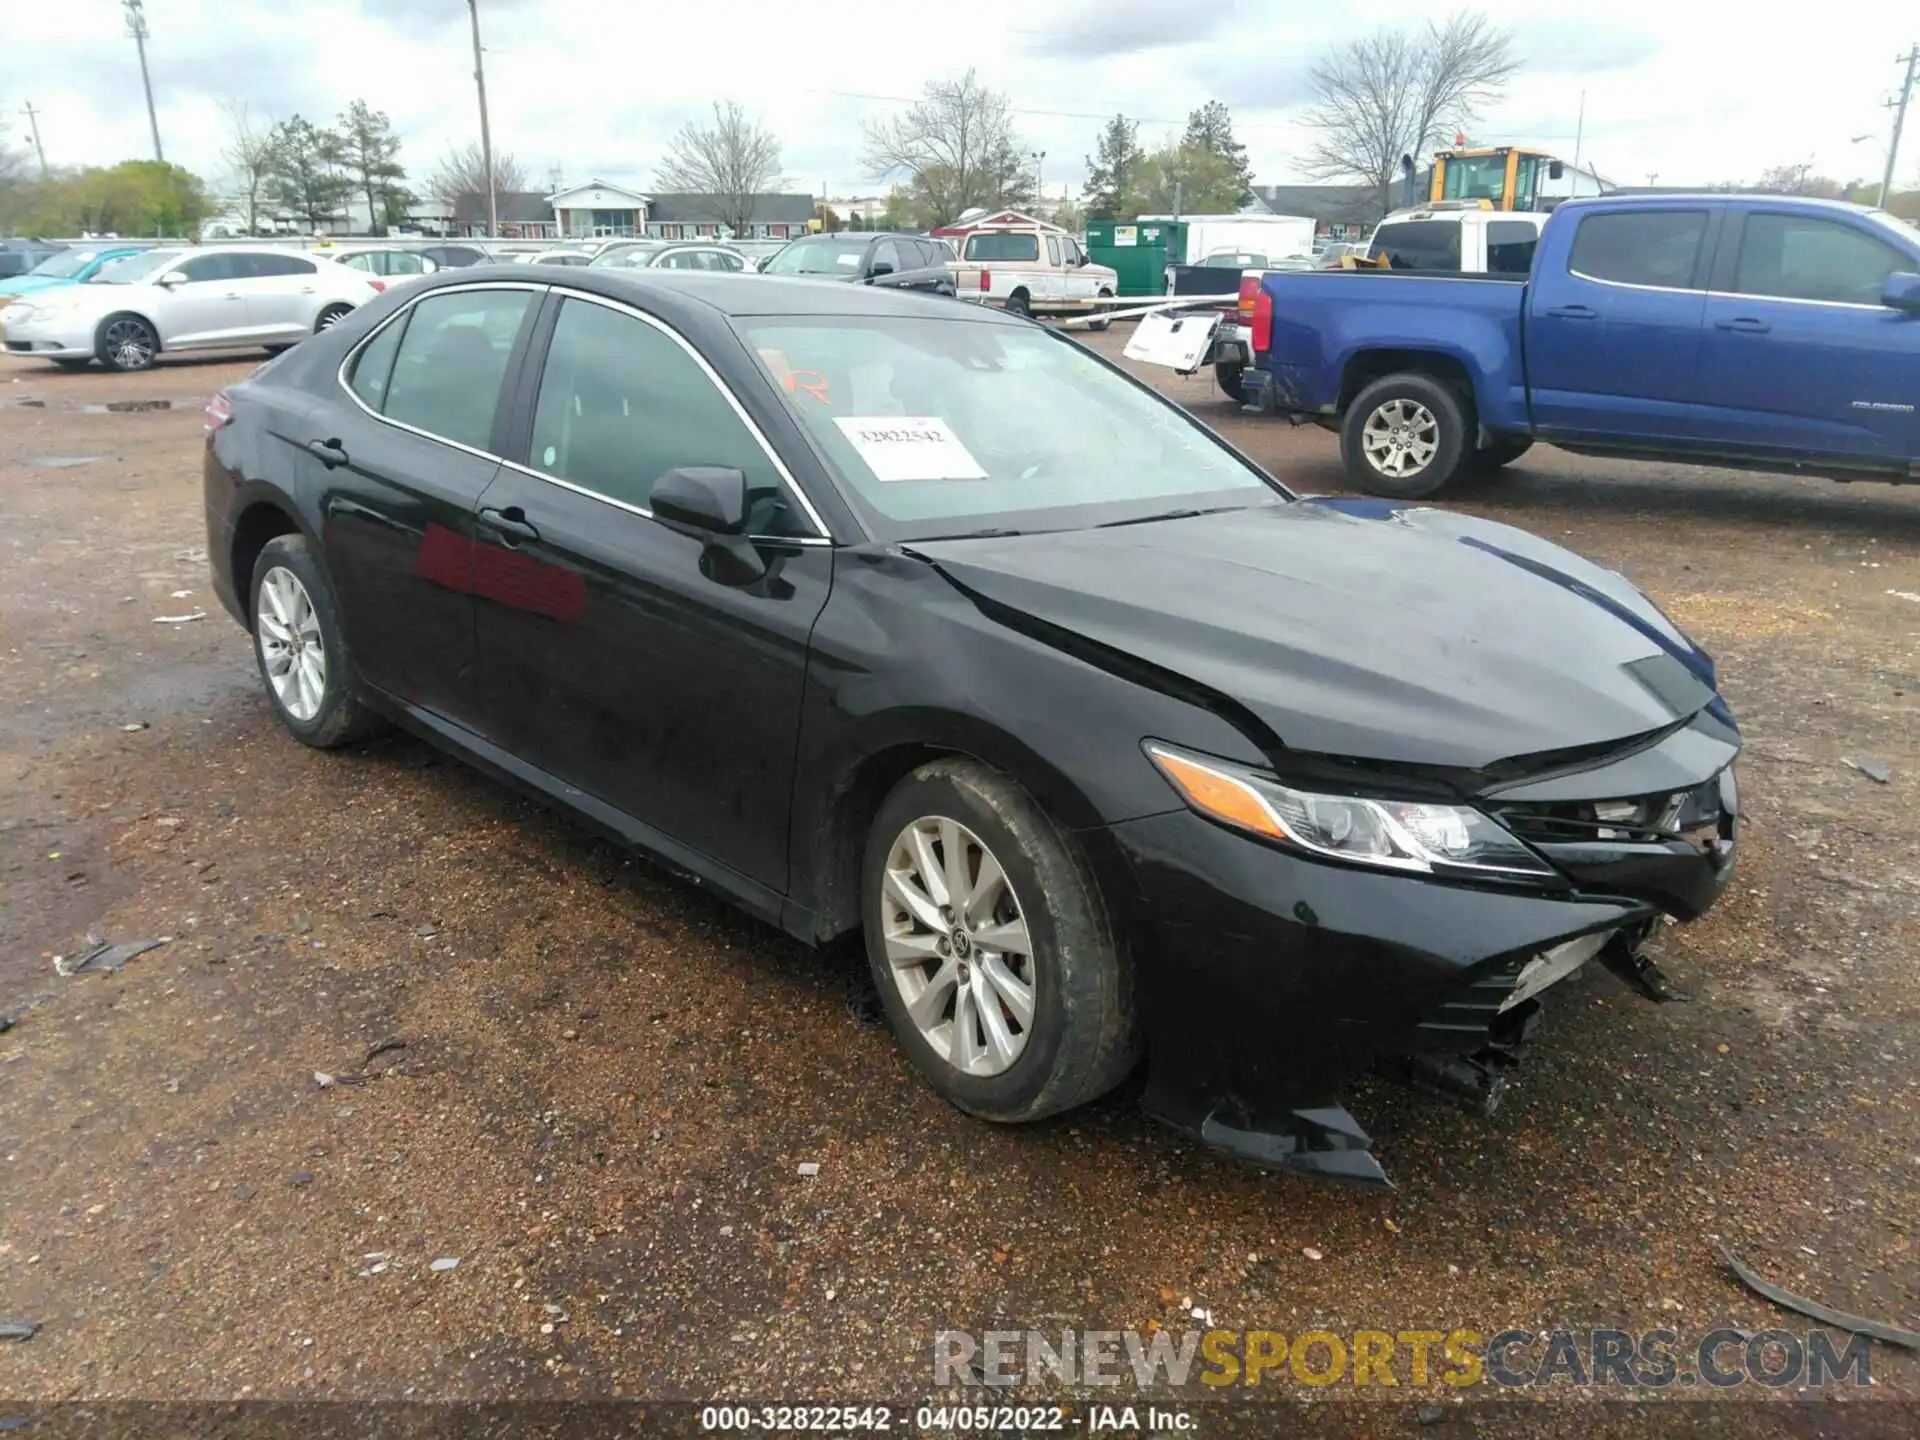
(1899, 122)
(33, 119)
(137, 28)
(486, 134)
(1039, 185)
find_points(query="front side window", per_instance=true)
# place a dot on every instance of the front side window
(943, 426)
(1419, 244)
(1640, 247)
(446, 377)
(621, 404)
(211, 267)
(1805, 257)
(1003, 247)
(887, 253)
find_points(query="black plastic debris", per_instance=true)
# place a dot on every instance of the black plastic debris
(382, 1047)
(1873, 770)
(1813, 1309)
(104, 957)
(6, 1023)
(19, 1329)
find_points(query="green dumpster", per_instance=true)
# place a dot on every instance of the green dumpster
(1136, 252)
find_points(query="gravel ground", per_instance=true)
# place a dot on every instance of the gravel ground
(598, 1086)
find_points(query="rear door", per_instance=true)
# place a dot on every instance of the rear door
(1798, 355)
(1613, 329)
(410, 444)
(611, 660)
(282, 295)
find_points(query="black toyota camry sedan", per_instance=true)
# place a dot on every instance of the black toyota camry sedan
(882, 614)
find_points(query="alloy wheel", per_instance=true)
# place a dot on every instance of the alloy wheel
(958, 946)
(291, 647)
(1400, 438)
(130, 343)
(331, 318)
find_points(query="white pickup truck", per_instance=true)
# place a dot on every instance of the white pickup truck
(1033, 272)
(1451, 237)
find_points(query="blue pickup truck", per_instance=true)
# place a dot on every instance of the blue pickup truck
(1762, 332)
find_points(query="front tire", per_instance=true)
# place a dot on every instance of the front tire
(992, 949)
(1403, 436)
(1228, 375)
(126, 343)
(301, 647)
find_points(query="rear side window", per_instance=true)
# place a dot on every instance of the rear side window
(1510, 247)
(1660, 248)
(1419, 245)
(1003, 247)
(621, 404)
(373, 367)
(261, 267)
(446, 377)
(1804, 257)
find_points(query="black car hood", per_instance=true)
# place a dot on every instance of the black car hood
(1365, 629)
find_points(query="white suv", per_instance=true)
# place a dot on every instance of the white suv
(216, 298)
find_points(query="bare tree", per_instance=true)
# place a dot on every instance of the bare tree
(463, 171)
(1799, 179)
(955, 145)
(249, 156)
(731, 162)
(1396, 92)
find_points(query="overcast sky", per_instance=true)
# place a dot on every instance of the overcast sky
(1688, 90)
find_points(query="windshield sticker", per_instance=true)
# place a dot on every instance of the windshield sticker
(848, 261)
(909, 447)
(807, 382)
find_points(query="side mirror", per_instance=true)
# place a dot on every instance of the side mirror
(1902, 292)
(701, 500)
(878, 269)
(1555, 169)
(709, 503)
(172, 279)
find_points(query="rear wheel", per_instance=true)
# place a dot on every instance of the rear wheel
(1105, 320)
(1490, 458)
(1020, 303)
(301, 647)
(126, 342)
(1403, 436)
(991, 947)
(331, 316)
(1227, 375)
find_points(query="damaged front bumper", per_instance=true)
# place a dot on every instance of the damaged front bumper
(1276, 979)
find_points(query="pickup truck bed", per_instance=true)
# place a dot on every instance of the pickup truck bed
(1759, 332)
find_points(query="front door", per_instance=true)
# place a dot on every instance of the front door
(1613, 336)
(611, 661)
(206, 307)
(401, 464)
(1798, 354)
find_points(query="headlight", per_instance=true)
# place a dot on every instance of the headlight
(1395, 834)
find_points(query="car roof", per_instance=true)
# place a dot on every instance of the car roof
(733, 295)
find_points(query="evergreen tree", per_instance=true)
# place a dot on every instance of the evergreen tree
(1113, 171)
(1211, 128)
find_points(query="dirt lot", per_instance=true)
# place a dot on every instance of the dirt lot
(607, 1082)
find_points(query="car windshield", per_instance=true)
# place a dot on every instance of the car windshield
(627, 257)
(941, 427)
(135, 268)
(818, 257)
(65, 265)
(1234, 260)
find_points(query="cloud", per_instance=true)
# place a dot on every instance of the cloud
(1100, 29)
(1558, 46)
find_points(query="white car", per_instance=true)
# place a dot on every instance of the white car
(553, 257)
(184, 300)
(388, 265)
